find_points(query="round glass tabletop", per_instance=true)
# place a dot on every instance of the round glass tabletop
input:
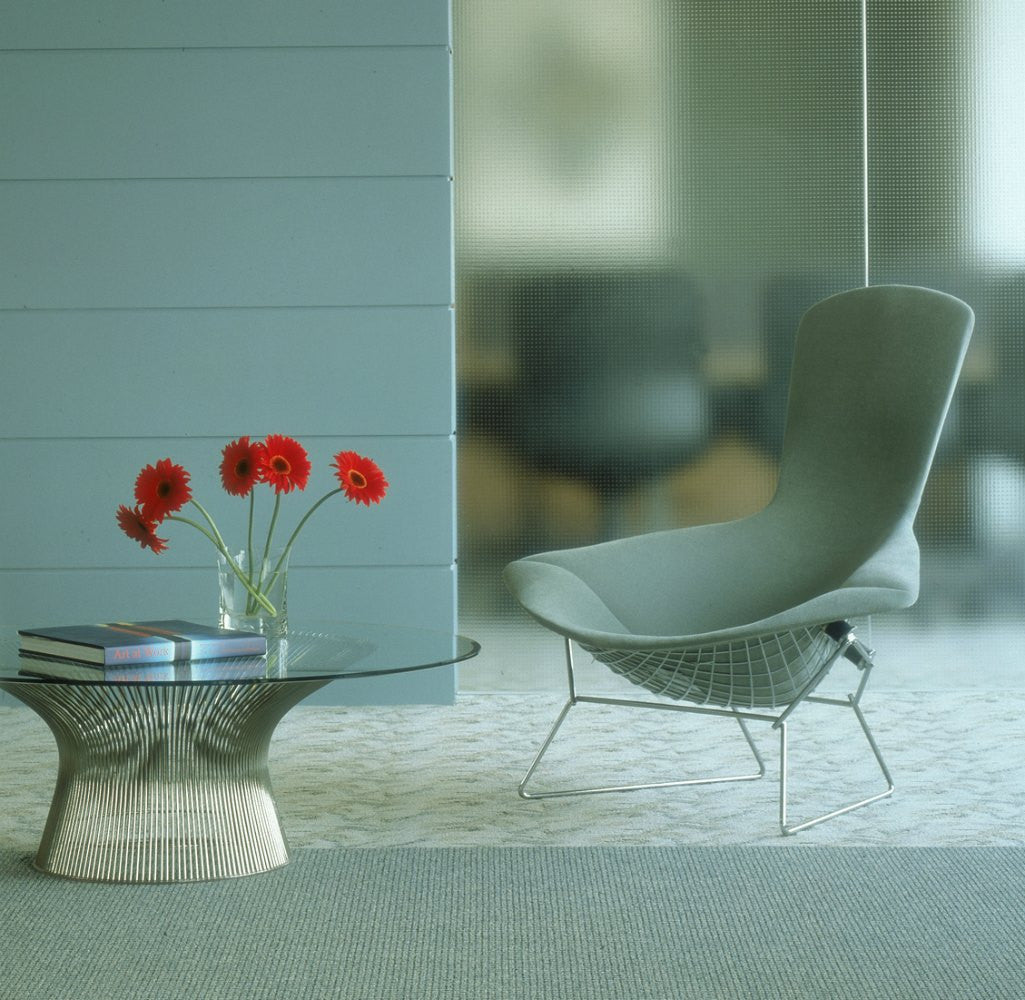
(315, 650)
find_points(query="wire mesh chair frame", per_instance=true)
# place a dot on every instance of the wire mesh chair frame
(764, 671)
(731, 679)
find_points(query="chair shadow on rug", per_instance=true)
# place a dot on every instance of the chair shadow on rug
(746, 618)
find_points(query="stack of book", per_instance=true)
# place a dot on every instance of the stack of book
(142, 651)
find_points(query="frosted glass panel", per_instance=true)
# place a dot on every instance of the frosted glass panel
(945, 150)
(648, 197)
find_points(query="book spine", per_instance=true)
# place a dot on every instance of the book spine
(184, 649)
(142, 653)
(212, 649)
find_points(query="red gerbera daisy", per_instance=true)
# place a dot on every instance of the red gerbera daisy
(360, 478)
(242, 466)
(286, 466)
(162, 489)
(140, 528)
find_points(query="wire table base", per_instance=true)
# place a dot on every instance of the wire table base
(162, 782)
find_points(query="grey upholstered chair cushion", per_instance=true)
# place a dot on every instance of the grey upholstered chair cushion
(873, 374)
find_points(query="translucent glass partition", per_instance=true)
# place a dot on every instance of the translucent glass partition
(946, 140)
(649, 195)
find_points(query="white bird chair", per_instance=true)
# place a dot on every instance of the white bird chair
(746, 618)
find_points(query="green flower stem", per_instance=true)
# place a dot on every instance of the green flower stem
(250, 605)
(252, 516)
(270, 529)
(223, 549)
(307, 516)
(217, 540)
(256, 595)
(295, 535)
(266, 544)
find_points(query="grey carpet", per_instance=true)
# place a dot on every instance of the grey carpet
(586, 923)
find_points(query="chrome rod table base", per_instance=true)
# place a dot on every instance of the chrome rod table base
(162, 782)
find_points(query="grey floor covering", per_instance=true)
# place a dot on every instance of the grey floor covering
(419, 873)
(591, 923)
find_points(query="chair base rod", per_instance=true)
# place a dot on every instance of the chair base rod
(791, 828)
(603, 789)
(742, 717)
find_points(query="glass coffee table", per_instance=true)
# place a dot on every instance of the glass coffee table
(162, 772)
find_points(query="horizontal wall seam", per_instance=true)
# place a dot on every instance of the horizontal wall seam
(384, 46)
(297, 307)
(221, 437)
(205, 567)
(218, 308)
(444, 176)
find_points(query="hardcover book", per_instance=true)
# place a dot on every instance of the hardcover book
(121, 644)
(236, 668)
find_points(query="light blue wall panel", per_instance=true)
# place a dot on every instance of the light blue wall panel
(422, 596)
(424, 593)
(305, 241)
(221, 217)
(65, 495)
(215, 113)
(46, 24)
(335, 372)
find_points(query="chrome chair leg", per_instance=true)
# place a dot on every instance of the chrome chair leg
(779, 722)
(575, 699)
(791, 828)
(583, 699)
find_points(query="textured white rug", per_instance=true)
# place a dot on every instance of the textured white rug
(446, 776)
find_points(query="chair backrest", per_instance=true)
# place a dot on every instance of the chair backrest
(873, 374)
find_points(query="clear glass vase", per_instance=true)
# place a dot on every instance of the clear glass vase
(239, 605)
